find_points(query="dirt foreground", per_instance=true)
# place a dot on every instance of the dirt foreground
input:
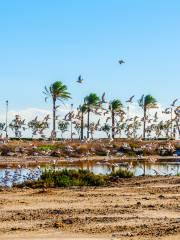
(137, 208)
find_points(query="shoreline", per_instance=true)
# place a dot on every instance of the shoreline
(44, 160)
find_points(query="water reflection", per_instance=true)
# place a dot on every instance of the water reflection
(172, 168)
(9, 176)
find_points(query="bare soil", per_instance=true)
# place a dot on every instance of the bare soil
(137, 208)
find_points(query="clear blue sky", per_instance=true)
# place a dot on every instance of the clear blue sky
(46, 40)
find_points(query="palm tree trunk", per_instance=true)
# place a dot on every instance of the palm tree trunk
(113, 125)
(82, 126)
(171, 122)
(177, 123)
(88, 123)
(54, 118)
(144, 127)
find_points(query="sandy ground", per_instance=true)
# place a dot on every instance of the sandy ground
(138, 208)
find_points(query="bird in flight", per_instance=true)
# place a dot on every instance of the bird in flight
(130, 99)
(174, 102)
(155, 117)
(103, 98)
(166, 111)
(121, 61)
(80, 79)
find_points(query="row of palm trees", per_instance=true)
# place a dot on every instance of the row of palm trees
(92, 103)
(116, 118)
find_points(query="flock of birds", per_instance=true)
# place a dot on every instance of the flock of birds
(125, 123)
(11, 177)
(130, 125)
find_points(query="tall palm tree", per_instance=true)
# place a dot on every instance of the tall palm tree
(115, 107)
(82, 109)
(58, 92)
(91, 101)
(146, 102)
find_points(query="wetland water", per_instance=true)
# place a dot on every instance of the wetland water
(9, 176)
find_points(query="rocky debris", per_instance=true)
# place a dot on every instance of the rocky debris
(59, 224)
(67, 221)
(161, 196)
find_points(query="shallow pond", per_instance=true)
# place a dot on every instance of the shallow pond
(9, 176)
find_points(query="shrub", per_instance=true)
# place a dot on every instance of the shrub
(66, 178)
(46, 148)
(122, 173)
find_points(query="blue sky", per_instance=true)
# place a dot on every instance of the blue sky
(47, 40)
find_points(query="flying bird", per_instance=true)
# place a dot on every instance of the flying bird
(103, 98)
(98, 123)
(107, 119)
(36, 118)
(156, 117)
(121, 62)
(174, 102)
(166, 111)
(80, 79)
(66, 116)
(47, 118)
(130, 99)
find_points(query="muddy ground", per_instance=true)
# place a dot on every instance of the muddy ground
(137, 208)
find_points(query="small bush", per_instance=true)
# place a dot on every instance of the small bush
(122, 173)
(66, 178)
(46, 148)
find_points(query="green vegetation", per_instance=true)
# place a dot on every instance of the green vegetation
(63, 127)
(68, 178)
(91, 102)
(146, 102)
(122, 173)
(46, 148)
(115, 107)
(57, 92)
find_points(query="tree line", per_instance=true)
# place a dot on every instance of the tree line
(116, 118)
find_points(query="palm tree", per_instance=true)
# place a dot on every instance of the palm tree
(115, 107)
(56, 91)
(146, 102)
(91, 101)
(106, 128)
(82, 109)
